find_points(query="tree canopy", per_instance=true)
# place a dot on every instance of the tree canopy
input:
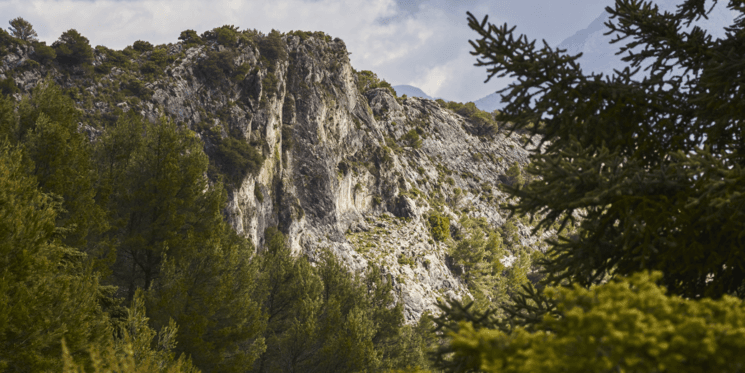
(72, 48)
(628, 325)
(131, 218)
(648, 174)
(22, 29)
(651, 170)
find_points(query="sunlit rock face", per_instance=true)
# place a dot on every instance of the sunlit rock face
(336, 174)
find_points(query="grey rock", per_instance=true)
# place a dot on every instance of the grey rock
(339, 187)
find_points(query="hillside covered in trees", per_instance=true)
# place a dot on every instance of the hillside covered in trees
(246, 202)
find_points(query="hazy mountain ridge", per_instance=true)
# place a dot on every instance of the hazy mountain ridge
(411, 91)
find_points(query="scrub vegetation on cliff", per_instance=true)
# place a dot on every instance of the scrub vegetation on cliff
(108, 245)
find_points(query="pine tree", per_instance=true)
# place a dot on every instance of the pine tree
(170, 238)
(321, 319)
(207, 288)
(135, 349)
(290, 294)
(22, 29)
(158, 195)
(73, 49)
(654, 167)
(46, 291)
(45, 124)
(650, 173)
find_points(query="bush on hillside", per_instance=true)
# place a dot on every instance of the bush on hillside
(482, 122)
(412, 139)
(73, 49)
(367, 80)
(190, 38)
(142, 46)
(272, 48)
(43, 53)
(439, 226)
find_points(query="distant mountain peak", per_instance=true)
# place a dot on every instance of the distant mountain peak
(411, 91)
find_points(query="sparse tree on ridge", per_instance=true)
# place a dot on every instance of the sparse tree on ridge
(73, 48)
(22, 29)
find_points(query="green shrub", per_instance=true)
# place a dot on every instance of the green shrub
(160, 57)
(287, 139)
(217, 66)
(412, 139)
(482, 122)
(301, 34)
(241, 72)
(272, 48)
(113, 58)
(8, 86)
(149, 67)
(270, 84)
(384, 156)
(142, 46)
(515, 175)
(227, 35)
(439, 227)
(628, 325)
(391, 143)
(190, 38)
(235, 159)
(257, 192)
(367, 80)
(43, 53)
(136, 88)
(73, 49)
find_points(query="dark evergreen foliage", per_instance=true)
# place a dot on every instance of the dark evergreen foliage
(142, 46)
(190, 38)
(73, 49)
(8, 86)
(649, 168)
(650, 174)
(217, 66)
(43, 53)
(272, 48)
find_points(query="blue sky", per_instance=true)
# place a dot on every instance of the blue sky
(418, 42)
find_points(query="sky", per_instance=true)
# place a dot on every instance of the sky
(423, 43)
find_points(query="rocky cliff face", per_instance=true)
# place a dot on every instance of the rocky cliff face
(338, 172)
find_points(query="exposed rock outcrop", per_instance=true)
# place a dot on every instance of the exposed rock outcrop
(336, 173)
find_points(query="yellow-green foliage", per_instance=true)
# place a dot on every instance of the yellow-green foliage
(412, 139)
(629, 325)
(482, 121)
(133, 352)
(515, 175)
(439, 226)
(45, 291)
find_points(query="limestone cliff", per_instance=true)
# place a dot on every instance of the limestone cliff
(335, 171)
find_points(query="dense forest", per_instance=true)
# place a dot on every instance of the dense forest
(116, 255)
